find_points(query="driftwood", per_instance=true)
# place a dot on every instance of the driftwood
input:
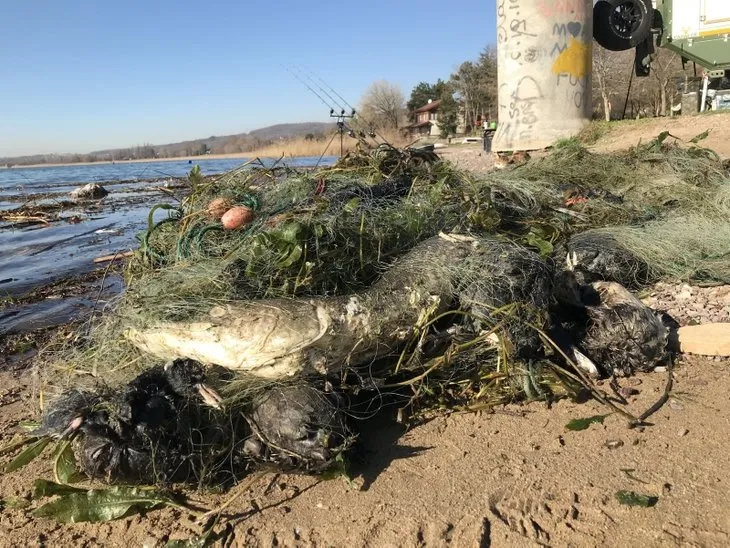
(280, 338)
(116, 256)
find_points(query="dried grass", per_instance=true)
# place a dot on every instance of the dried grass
(329, 146)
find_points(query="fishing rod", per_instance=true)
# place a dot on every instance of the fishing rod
(361, 136)
(299, 73)
(373, 133)
(311, 80)
(311, 75)
(310, 71)
(341, 116)
(325, 103)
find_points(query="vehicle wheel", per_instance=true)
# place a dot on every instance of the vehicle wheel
(622, 24)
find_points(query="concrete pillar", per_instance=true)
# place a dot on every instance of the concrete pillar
(545, 62)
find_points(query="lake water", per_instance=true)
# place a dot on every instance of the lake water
(32, 180)
(38, 254)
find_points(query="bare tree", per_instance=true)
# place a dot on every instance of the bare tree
(666, 68)
(611, 80)
(383, 105)
(603, 74)
(476, 86)
(616, 91)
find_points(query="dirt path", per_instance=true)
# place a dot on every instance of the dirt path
(619, 136)
(625, 134)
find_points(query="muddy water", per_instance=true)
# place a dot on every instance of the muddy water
(35, 255)
(56, 309)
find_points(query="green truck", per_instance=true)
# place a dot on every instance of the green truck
(698, 30)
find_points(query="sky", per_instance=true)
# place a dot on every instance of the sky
(82, 75)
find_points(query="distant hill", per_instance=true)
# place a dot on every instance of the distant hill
(224, 144)
(288, 131)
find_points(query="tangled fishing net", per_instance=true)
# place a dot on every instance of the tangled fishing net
(391, 279)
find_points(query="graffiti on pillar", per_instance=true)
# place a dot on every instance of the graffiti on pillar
(558, 8)
(529, 56)
(571, 51)
(522, 111)
(574, 60)
(512, 28)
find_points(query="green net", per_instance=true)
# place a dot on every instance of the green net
(334, 231)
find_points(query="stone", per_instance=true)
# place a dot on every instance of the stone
(722, 291)
(683, 295)
(708, 339)
(674, 404)
(628, 391)
(92, 191)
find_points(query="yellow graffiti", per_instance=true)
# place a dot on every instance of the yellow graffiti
(574, 60)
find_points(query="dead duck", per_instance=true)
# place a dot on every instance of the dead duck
(622, 335)
(594, 256)
(139, 432)
(602, 327)
(297, 427)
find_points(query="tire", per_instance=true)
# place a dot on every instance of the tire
(622, 24)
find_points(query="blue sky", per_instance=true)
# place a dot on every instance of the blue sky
(81, 75)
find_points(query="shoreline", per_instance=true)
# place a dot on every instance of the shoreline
(263, 153)
(231, 156)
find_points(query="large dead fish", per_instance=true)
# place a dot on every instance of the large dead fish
(281, 337)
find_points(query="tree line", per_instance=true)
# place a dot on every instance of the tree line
(467, 96)
(470, 94)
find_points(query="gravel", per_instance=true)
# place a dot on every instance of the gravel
(690, 305)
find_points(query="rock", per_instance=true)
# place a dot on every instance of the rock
(684, 295)
(708, 340)
(628, 391)
(92, 191)
(614, 444)
(682, 432)
(722, 291)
